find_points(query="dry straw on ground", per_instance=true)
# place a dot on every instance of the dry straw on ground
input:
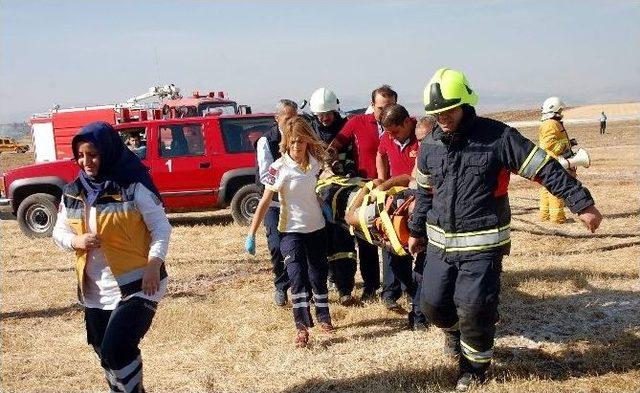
(569, 313)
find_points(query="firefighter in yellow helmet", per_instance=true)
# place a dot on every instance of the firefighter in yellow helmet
(462, 214)
(553, 138)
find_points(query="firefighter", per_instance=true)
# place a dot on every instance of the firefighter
(553, 138)
(462, 208)
(341, 251)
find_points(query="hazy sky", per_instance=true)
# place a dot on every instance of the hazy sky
(515, 53)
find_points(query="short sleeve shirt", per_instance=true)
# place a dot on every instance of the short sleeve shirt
(299, 206)
(401, 156)
(362, 130)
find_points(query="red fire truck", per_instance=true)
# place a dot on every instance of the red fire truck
(200, 158)
(52, 131)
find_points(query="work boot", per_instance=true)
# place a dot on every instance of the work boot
(347, 300)
(468, 380)
(280, 297)
(368, 296)
(390, 304)
(451, 344)
(327, 327)
(302, 337)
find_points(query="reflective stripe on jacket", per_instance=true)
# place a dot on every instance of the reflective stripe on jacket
(462, 202)
(124, 236)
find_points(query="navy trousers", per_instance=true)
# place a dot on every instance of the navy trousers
(464, 295)
(280, 277)
(115, 336)
(396, 275)
(305, 257)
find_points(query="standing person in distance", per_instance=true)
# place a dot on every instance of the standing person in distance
(603, 122)
(113, 218)
(301, 224)
(267, 151)
(341, 253)
(462, 210)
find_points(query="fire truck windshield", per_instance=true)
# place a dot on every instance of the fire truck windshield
(217, 109)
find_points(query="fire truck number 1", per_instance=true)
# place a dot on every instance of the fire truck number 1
(168, 164)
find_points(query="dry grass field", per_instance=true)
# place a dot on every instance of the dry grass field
(570, 312)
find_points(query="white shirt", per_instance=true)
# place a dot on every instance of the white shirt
(100, 286)
(265, 159)
(299, 205)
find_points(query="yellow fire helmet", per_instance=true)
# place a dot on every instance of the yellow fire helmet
(446, 90)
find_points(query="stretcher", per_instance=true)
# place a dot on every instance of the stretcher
(378, 217)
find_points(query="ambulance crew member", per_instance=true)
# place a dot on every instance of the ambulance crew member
(462, 208)
(113, 218)
(341, 250)
(267, 151)
(553, 138)
(364, 132)
(301, 223)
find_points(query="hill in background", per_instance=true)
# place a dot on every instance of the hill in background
(15, 130)
(617, 110)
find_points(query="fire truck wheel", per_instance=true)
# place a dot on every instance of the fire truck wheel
(244, 204)
(37, 215)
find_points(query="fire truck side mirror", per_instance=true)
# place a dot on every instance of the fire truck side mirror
(244, 110)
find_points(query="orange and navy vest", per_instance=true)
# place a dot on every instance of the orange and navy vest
(124, 237)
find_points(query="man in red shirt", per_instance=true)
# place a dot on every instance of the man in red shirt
(364, 132)
(395, 159)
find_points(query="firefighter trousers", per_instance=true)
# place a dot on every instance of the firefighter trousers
(115, 335)
(463, 296)
(369, 266)
(341, 254)
(551, 207)
(305, 257)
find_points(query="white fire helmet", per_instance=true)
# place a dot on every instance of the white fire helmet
(324, 100)
(551, 107)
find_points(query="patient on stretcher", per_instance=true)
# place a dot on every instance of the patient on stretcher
(371, 211)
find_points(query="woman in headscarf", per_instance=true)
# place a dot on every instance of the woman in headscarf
(112, 216)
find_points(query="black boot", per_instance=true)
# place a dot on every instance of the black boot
(467, 380)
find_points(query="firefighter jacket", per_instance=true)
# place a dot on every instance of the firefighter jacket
(327, 133)
(553, 138)
(125, 239)
(462, 204)
(346, 164)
